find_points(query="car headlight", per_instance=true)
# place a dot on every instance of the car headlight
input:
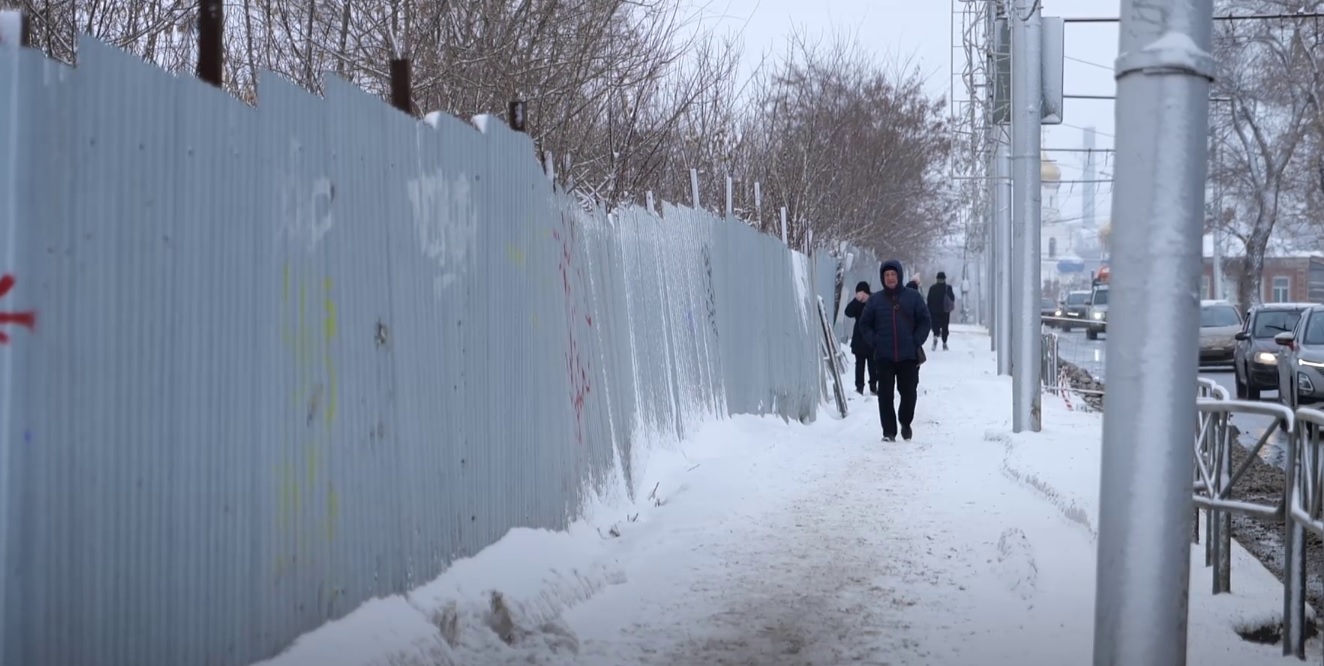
(1057, 313)
(1098, 315)
(1266, 357)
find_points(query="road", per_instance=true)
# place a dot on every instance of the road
(1090, 355)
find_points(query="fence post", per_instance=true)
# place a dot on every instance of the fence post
(648, 200)
(729, 207)
(1222, 530)
(211, 42)
(1294, 544)
(784, 241)
(694, 188)
(758, 206)
(15, 24)
(549, 166)
(516, 115)
(402, 94)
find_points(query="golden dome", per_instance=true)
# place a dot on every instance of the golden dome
(1048, 170)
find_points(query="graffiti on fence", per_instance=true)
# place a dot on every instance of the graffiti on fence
(308, 328)
(710, 297)
(306, 204)
(447, 224)
(27, 319)
(576, 365)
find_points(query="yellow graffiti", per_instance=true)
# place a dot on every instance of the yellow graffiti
(314, 401)
(515, 255)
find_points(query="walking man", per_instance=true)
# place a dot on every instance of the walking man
(896, 323)
(941, 302)
(858, 345)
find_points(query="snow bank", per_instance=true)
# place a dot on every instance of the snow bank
(508, 600)
(1061, 465)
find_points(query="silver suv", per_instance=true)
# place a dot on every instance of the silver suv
(1096, 315)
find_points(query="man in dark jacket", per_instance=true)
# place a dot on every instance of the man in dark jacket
(896, 323)
(858, 345)
(941, 301)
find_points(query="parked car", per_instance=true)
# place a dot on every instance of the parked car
(1255, 359)
(1301, 360)
(1073, 308)
(1047, 310)
(1096, 314)
(1220, 322)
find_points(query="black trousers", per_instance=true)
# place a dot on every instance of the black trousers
(941, 320)
(863, 360)
(903, 377)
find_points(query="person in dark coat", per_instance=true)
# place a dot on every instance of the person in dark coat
(896, 323)
(858, 345)
(941, 302)
(913, 284)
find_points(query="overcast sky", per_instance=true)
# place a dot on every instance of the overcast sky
(923, 31)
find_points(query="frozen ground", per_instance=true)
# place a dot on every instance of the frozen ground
(764, 543)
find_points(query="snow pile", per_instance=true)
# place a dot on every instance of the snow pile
(760, 541)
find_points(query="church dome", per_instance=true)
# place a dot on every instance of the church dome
(1048, 170)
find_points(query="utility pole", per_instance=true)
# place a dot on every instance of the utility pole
(1087, 205)
(1002, 176)
(1026, 130)
(1164, 72)
(1217, 235)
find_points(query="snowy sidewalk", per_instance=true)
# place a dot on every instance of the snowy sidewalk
(767, 543)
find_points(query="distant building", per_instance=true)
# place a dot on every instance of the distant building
(1069, 249)
(1294, 279)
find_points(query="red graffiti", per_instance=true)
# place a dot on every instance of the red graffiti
(27, 319)
(575, 365)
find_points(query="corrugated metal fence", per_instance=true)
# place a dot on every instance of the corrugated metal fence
(292, 358)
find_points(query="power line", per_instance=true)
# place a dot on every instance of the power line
(1226, 17)
(1097, 132)
(1087, 62)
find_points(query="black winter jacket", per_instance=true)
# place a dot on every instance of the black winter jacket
(938, 293)
(895, 322)
(858, 345)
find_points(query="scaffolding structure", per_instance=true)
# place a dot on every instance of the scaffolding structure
(974, 136)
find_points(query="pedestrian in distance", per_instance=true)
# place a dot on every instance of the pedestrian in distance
(896, 323)
(941, 302)
(858, 345)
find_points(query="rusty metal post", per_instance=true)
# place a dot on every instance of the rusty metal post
(211, 42)
(402, 85)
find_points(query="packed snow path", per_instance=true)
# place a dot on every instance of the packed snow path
(840, 548)
(758, 542)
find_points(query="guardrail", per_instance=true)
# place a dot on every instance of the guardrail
(1300, 506)
(1053, 373)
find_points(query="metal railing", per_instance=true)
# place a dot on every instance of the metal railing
(1300, 505)
(1055, 375)
(1050, 364)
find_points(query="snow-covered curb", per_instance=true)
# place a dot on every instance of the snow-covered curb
(1062, 466)
(1066, 476)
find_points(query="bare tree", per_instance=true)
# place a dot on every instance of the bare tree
(627, 95)
(853, 153)
(1263, 131)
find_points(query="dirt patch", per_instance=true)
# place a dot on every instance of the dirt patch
(1263, 537)
(1090, 388)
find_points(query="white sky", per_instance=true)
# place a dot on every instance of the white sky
(923, 30)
